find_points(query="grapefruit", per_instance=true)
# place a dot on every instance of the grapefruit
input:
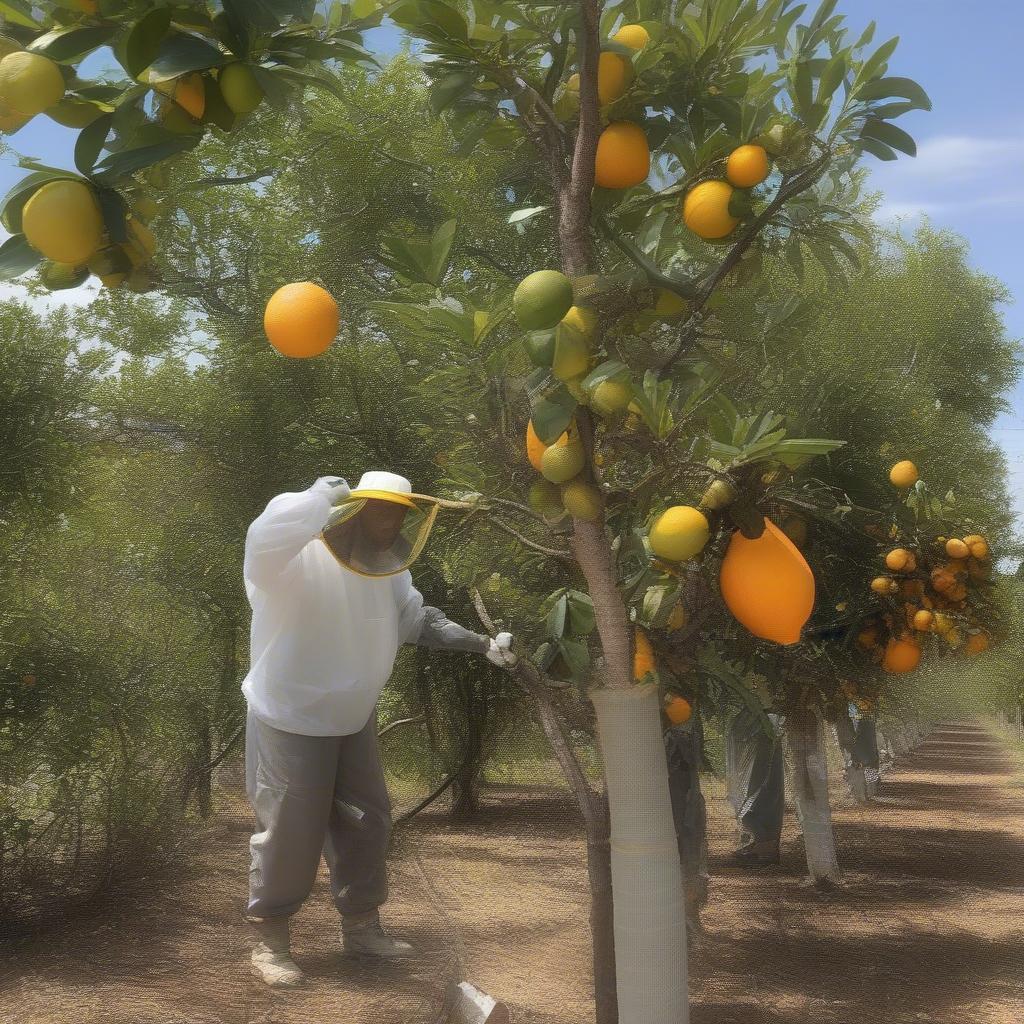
(901, 656)
(678, 710)
(581, 500)
(301, 320)
(623, 157)
(545, 499)
(706, 209)
(904, 474)
(535, 447)
(957, 549)
(977, 642)
(614, 74)
(62, 220)
(11, 120)
(643, 656)
(572, 353)
(30, 83)
(611, 397)
(542, 299)
(560, 463)
(582, 318)
(747, 166)
(679, 533)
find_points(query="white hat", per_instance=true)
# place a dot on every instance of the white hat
(381, 484)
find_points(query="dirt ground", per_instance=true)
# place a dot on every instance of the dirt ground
(928, 926)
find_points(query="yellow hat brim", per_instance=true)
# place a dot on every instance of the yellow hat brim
(392, 496)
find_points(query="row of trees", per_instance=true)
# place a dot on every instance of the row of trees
(410, 228)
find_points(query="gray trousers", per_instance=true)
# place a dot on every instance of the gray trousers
(316, 796)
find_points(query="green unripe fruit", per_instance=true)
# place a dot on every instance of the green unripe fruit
(560, 463)
(611, 397)
(581, 500)
(542, 299)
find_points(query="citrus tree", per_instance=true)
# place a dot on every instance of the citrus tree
(744, 114)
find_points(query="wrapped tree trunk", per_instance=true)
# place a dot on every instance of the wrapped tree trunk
(806, 735)
(845, 736)
(647, 880)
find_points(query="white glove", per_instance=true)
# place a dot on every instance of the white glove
(334, 487)
(500, 653)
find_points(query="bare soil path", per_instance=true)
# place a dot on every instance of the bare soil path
(929, 925)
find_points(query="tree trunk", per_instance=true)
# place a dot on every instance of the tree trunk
(845, 740)
(805, 732)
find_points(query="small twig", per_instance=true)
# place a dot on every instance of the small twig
(552, 552)
(401, 721)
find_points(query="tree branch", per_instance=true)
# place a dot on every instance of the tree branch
(552, 552)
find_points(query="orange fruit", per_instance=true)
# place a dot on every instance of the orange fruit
(957, 548)
(942, 580)
(767, 584)
(977, 642)
(623, 157)
(643, 656)
(301, 320)
(956, 565)
(747, 166)
(978, 548)
(904, 474)
(901, 656)
(958, 592)
(614, 74)
(897, 559)
(678, 710)
(923, 620)
(189, 92)
(706, 209)
(867, 638)
(884, 585)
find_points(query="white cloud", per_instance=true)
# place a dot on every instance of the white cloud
(953, 174)
(80, 296)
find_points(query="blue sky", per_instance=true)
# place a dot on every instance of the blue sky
(967, 175)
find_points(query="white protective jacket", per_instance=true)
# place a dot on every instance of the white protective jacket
(324, 639)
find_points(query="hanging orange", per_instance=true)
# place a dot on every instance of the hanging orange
(623, 157)
(901, 656)
(768, 585)
(643, 657)
(301, 320)
(678, 710)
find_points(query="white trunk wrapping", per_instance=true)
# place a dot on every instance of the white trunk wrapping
(647, 877)
(810, 792)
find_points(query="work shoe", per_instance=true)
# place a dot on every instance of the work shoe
(363, 936)
(757, 854)
(271, 958)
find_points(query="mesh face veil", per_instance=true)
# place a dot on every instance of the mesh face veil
(381, 528)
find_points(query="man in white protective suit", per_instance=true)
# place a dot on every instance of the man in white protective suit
(327, 575)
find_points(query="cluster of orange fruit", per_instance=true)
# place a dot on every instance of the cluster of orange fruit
(623, 157)
(931, 580)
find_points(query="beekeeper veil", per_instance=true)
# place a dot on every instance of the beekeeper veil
(381, 527)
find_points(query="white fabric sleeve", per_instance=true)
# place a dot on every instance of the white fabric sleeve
(410, 608)
(288, 523)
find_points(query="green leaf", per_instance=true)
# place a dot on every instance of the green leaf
(883, 88)
(19, 12)
(128, 161)
(830, 79)
(364, 8)
(876, 148)
(16, 256)
(143, 44)
(577, 657)
(64, 44)
(90, 143)
(180, 53)
(447, 90)
(556, 618)
(874, 63)
(611, 368)
(440, 247)
(795, 451)
(115, 211)
(430, 19)
(551, 412)
(540, 347)
(582, 619)
(802, 90)
(883, 131)
(216, 111)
